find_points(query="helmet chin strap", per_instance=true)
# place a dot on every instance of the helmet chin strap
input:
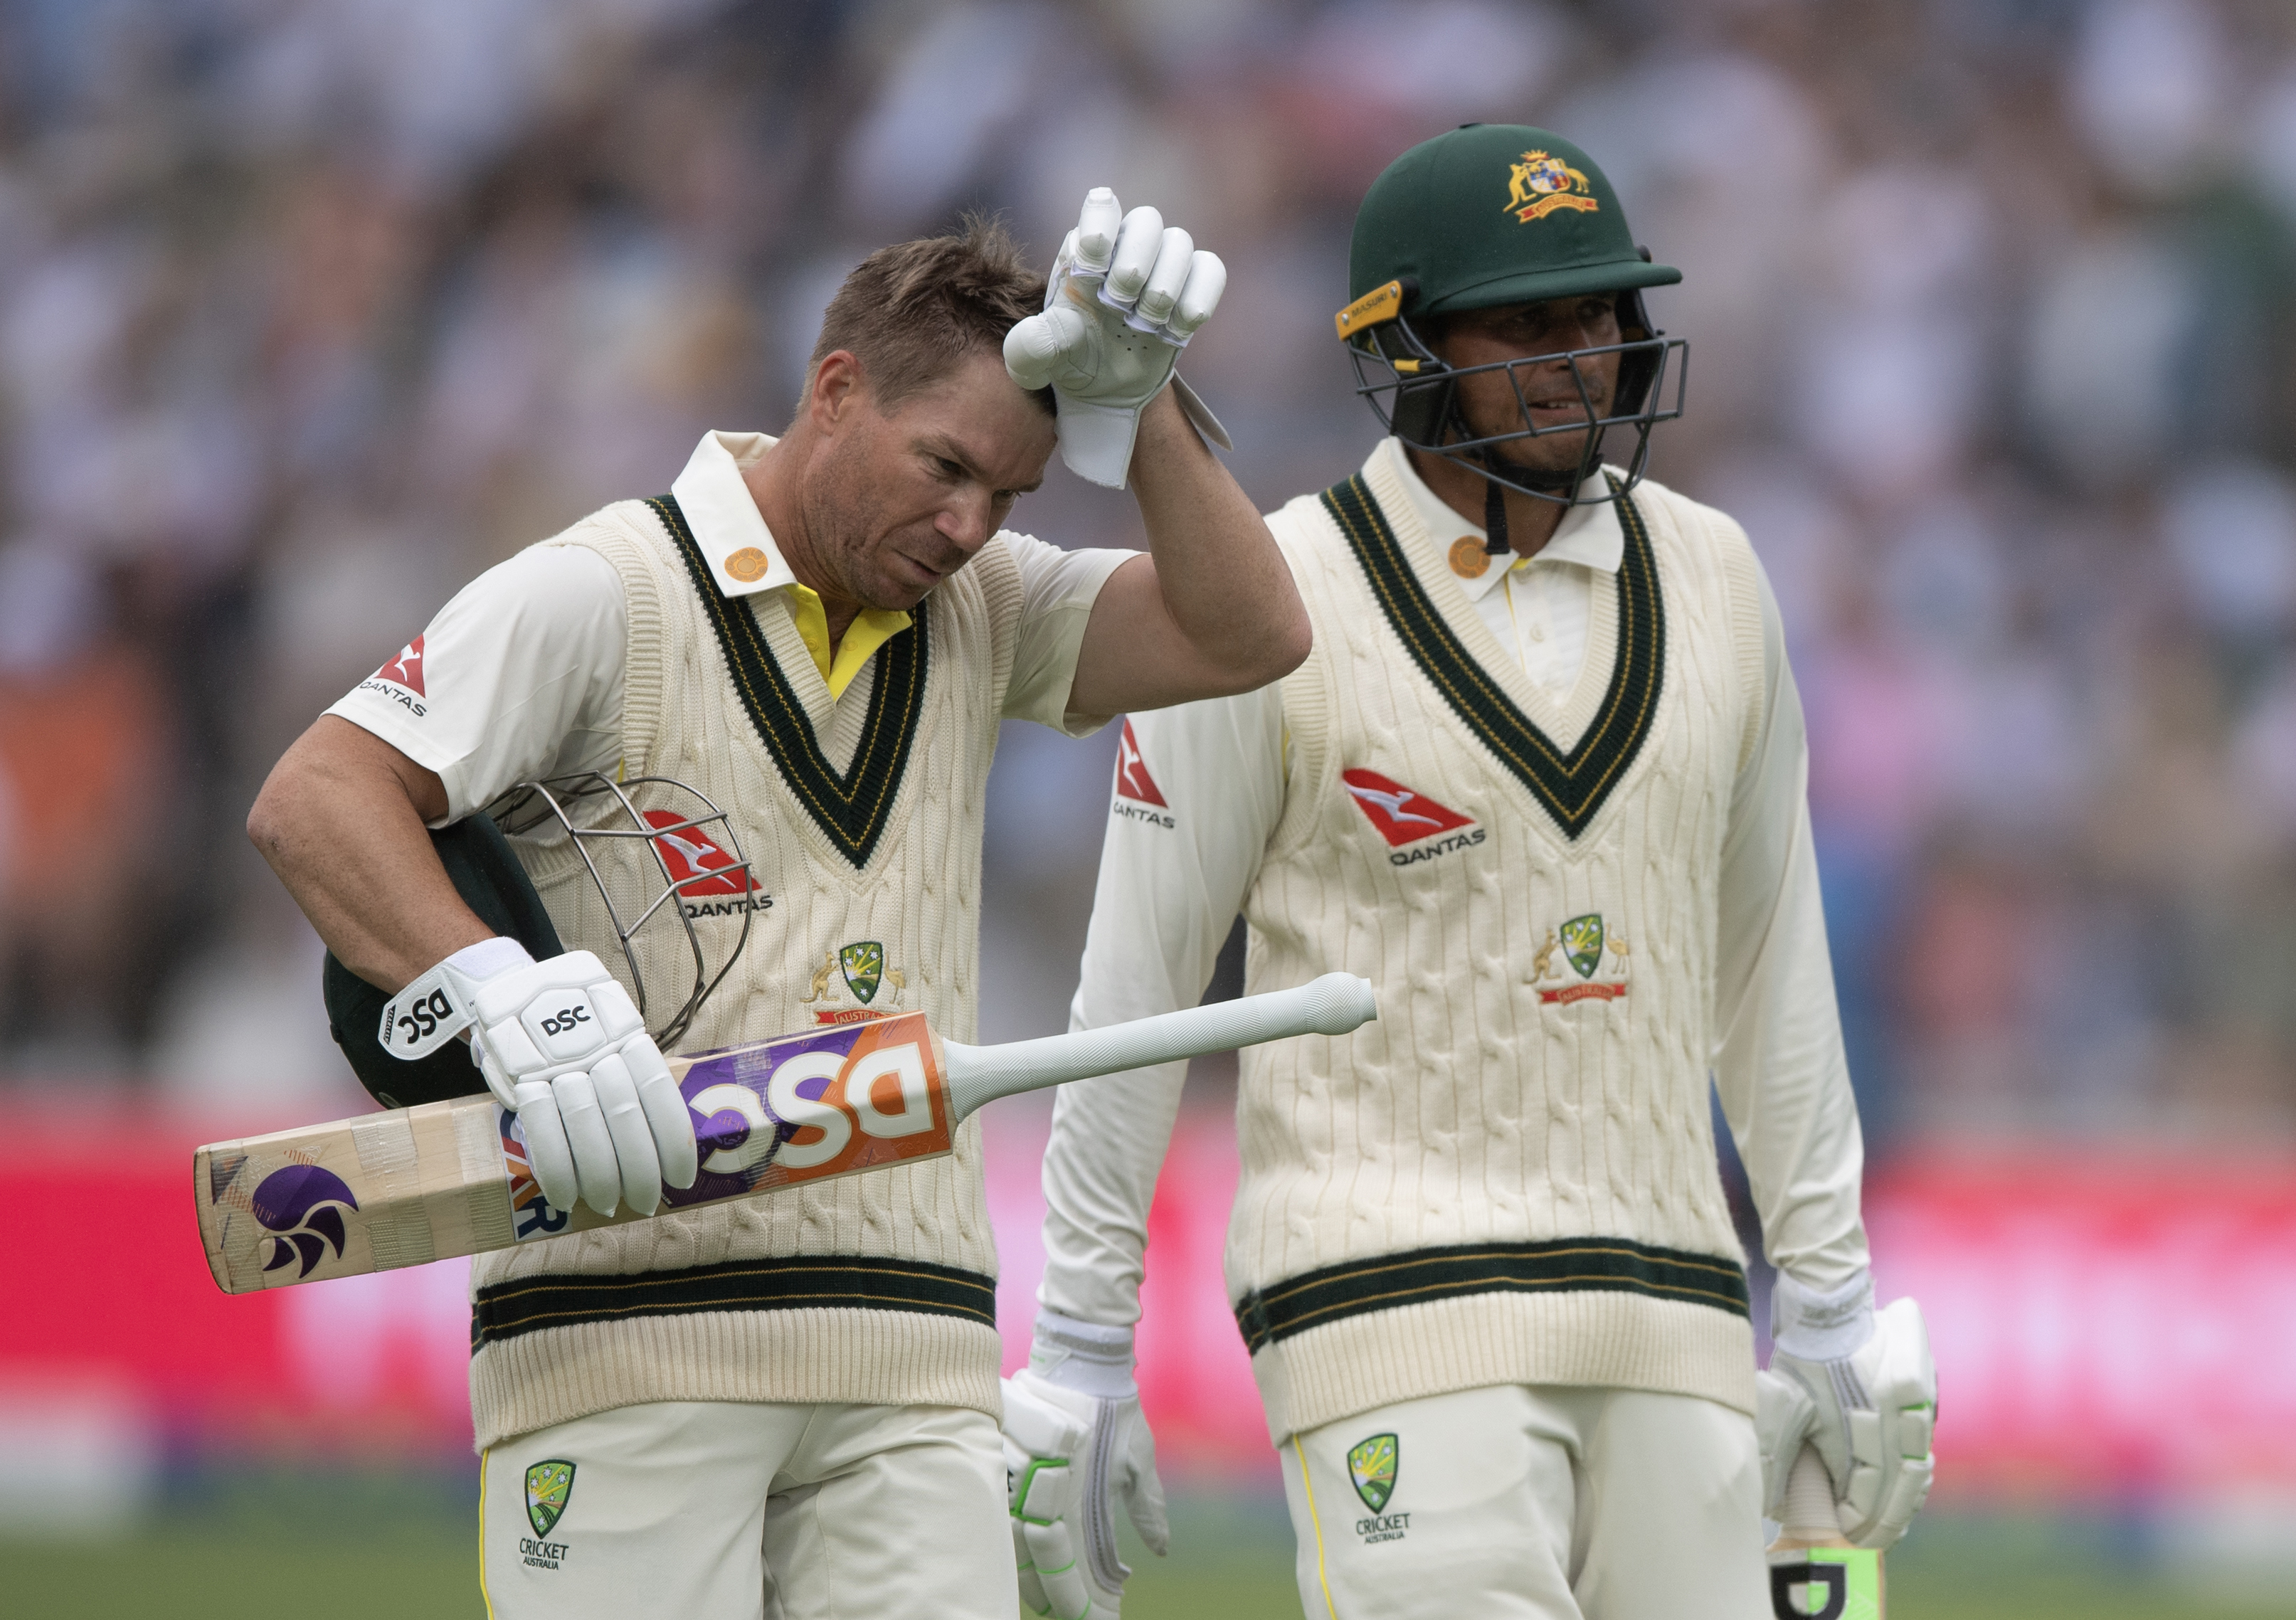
(1495, 544)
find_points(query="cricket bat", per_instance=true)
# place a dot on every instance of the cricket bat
(406, 1186)
(1815, 1573)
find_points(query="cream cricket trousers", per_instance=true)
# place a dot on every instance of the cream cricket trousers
(749, 1510)
(1537, 1501)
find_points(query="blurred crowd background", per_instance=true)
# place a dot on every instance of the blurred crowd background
(311, 309)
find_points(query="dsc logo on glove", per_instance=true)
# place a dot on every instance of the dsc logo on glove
(564, 1020)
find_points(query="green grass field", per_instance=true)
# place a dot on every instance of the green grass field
(254, 1546)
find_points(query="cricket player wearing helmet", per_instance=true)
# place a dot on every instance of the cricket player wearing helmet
(1542, 782)
(787, 1404)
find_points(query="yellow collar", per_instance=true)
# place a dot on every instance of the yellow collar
(871, 629)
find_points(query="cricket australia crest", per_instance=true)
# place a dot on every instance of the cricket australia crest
(548, 1485)
(861, 966)
(1541, 183)
(1371, 1466)
(1570, 967)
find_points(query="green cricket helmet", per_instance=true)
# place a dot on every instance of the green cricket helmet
(1486, 215)
(664, 859)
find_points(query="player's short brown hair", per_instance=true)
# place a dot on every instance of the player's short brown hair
(912, 313)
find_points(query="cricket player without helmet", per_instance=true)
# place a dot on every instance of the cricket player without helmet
(788, 1398)
(1542, 782)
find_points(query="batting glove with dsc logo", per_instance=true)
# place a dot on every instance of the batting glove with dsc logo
(1860, 1386)
(1074, 1442)
(562, 1047)
(1126, 294)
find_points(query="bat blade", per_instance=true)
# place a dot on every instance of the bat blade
(407, 1186)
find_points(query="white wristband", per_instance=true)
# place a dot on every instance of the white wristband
(1815, 1327)
(1084, 1356)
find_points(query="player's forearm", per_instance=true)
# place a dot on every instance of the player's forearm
(1779, 1067)
(1107, 1145)
(1224, 613)
(342, 821)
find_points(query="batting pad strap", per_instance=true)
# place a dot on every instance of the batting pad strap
(436, 1007)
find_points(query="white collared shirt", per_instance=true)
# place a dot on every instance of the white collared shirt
(1539, 606)
(521, 675)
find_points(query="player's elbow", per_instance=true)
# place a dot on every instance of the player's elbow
(1279, 646)
(1292, 642)
(270, 817)
(1280, 650)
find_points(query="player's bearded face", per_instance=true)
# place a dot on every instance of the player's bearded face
(905, 500)
(1550, 397)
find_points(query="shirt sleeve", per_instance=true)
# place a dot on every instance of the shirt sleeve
(1057, 591)
(1172, 877)
(1779, 1065)
(520, 676)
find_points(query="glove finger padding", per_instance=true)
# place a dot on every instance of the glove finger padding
(1051, 1558)
(1169, 275)
(1138, 244)
(1198, 297)
(547, 1150)
(1784, 1414)
(670, 1121)
(596, 1167)
(632, 1132)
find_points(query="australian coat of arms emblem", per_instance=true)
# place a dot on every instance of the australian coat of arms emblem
(1570, 965)
(861, 966)
(1539, 183)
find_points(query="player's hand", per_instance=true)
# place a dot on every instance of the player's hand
(562, 1047)
(1126, 294)
(1069, 1453)
(1868, 1405)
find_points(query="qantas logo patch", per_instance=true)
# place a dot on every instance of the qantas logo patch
(407, 668)
(1137, 797)
(699, 869)
(1405, 816)
(400, 679)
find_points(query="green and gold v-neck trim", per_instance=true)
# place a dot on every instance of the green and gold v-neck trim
(1572, 784)
(851, 808)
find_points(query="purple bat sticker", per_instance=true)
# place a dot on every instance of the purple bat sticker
(303, 1196)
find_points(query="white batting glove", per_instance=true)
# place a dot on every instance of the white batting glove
(1861, 1387)
(1074, 1442)
(562, 1047)
(1125, 296)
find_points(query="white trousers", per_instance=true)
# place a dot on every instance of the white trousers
(1542, 1502)
(749, 1510)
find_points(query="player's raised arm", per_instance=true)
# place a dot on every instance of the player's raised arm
(1213, 610)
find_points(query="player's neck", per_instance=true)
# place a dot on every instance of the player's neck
(1530, 522)
(776, 483)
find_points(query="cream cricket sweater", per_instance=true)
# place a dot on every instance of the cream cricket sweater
(1511, 1176)
(864, 820)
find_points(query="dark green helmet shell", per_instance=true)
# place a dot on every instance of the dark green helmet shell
(1492, 214)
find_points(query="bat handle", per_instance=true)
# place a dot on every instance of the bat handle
(1332, 1005)
(1810, 1519)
